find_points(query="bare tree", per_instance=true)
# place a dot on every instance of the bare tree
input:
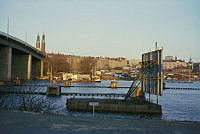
(59, 64)
(27, 102)
(87, 65)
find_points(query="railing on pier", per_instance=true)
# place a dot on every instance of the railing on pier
(182, 88)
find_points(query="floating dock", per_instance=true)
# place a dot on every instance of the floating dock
(114, 106)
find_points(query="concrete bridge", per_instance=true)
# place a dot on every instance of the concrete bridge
(19, 59)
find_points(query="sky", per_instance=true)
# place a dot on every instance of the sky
(113, 28)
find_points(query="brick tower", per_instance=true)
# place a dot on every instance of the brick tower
(43, 43)
(38, 42)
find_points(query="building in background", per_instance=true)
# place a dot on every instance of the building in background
(182, 69)
(196, 67)
(169, 63)
(169, 58)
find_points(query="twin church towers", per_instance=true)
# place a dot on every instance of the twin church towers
(42, 48)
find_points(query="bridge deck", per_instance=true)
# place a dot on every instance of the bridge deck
(19, 45)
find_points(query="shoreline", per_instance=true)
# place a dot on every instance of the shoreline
(30, 122)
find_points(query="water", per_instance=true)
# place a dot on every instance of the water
(181, 105)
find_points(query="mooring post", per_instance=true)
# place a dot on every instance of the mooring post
(149, 96)
(93, 110)
(157, 98)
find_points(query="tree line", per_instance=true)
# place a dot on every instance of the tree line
(59, 64)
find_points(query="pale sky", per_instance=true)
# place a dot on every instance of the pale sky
(113, 28)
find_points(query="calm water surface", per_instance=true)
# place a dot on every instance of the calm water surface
(181, 105)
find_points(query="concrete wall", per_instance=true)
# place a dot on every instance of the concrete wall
(5, 63)
(113, 106)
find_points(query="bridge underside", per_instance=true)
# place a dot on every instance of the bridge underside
(14, 63)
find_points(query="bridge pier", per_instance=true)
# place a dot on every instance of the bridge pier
(42, 68)
(5, 63)
(37, 67)
(20, 65)
(29, 67)
(26, 67)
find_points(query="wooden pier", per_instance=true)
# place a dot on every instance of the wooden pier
(34, 92)
(94, 94)
(62, 93)
(89, 86)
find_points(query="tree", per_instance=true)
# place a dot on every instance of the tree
(87, 65)
(58, 64)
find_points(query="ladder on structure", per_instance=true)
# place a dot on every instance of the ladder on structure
(136, 82)
(134, 86)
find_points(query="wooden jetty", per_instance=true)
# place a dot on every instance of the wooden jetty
(85, 86)
(89, 86)
(62, 93)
